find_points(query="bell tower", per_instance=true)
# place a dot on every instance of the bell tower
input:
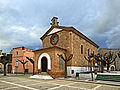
(54, 21)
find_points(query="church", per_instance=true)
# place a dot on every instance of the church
(60, 40)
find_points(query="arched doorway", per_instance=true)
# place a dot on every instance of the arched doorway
(48, 61)
(44, 64)
(112, 68)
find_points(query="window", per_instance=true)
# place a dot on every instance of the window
(88, 52)
(60, 63)
(72, 71)
(81, 49)
(54, 39)
(16, 52)
(16, 62)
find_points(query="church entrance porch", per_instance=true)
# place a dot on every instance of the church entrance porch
(47, 62)
(44, 64)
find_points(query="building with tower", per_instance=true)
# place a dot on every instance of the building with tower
(59, 40)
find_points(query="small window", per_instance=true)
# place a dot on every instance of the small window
(72, 71)
(88, 52)
(16, 63)
(16, 52)
(60, 63)
(81, 49)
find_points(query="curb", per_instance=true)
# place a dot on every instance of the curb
(91, 82)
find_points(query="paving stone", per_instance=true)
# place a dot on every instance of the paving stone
(62, 82)
(108, 88)
(67, 88)
(44, 86)
(19, 88)
(4, 85)
(84, 85)
(19, 82)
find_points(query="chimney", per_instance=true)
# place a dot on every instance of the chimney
(54, 21)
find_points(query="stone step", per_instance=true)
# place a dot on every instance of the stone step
(41, 76)
(43, 73)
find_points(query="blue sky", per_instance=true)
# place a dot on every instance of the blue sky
(23, 22)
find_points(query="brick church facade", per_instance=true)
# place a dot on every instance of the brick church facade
(59, 40)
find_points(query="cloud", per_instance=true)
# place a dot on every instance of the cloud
(4, 3)
(109, 16)
(23, 22)
(15, 36)
(113, 40)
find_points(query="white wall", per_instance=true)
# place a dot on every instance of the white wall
(76, 69)
(54, 30)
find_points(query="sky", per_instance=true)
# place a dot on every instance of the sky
(23, 22)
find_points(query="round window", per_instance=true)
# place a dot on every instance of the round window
(54, 39)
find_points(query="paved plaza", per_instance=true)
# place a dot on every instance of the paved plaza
(25, 83)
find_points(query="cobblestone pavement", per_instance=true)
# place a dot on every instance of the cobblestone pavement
(24, 83)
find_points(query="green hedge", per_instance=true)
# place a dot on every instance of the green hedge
(108, 77)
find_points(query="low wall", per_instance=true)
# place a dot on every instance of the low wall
(86, 76)
(77, 70)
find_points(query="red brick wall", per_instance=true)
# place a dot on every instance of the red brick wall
(78, 58)
(52, 52)
(62, 42)
(72, 42)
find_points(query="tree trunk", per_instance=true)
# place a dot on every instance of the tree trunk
(102, 67)
(65, 69)
(33, 68)
(91, 71)
(108, 67)
(24, 68)
(5, 69)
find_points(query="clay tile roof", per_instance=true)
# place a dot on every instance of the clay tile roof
(22, 48)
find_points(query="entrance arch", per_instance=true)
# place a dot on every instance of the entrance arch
(112, 67)
(44, 64)
(48, 61)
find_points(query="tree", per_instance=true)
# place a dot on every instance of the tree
(65, 59)
(109, 59)
(4, 60)
(118, 54)
(23, 63)
(31, 62)
(106, 59)
(101, 58)
(90, 59)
